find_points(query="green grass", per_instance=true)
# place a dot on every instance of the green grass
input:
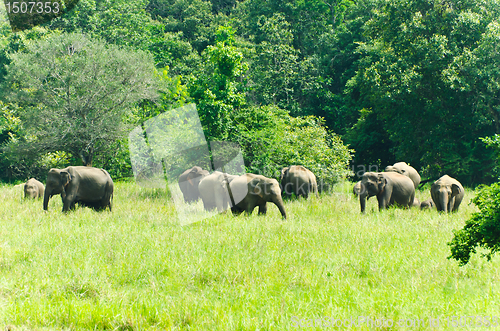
(138, 269)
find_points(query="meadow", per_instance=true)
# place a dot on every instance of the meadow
(137, 268)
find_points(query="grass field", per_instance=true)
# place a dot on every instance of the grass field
(138, 269)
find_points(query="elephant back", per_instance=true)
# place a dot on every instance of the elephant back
(407, 170)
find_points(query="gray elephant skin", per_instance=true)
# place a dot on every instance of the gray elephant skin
(388, 187)
(447, 194)
(214, 191)
(33, 189)
(427, 204)
(189, 181)
(298, 180)
(356, 190)
(250, 191)
(404, 169)
(87, 186)
(416, 202)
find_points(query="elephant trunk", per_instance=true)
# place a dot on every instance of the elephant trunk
(46, 198)
(443, 200)
(279, 203)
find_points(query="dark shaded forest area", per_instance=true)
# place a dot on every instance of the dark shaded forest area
(323, 83)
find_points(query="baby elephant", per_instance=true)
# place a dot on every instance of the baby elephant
(427, 204)
(33, 189)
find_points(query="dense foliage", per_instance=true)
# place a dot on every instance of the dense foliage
(396, 80)
(482, 229)
(74, 92)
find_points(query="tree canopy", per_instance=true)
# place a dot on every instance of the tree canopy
(414, 81)
(73, 93)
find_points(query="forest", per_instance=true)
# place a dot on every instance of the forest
(331, 84)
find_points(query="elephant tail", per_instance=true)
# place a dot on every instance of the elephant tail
(107, 199)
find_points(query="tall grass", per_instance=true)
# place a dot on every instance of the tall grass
(136, 268)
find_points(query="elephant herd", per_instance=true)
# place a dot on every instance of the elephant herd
(397, 185)
(93, 187)
(244, 193)
(87, 186)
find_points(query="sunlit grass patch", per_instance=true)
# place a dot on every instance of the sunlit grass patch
(137, 268)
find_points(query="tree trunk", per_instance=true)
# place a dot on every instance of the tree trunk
(87, 158)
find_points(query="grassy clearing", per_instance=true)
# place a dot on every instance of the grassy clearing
(138, 269)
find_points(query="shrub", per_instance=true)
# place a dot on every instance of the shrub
(272, 139)
(482, 229)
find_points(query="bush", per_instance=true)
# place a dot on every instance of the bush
(482, 229)
(272, 139)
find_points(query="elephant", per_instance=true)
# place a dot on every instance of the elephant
(249, 191)
(356, 190)
(404, 169)
(447, 194)
(87, 186)
(416, 202)
(388, 187)
(189, 181)
(298, 180)
(33, 189)
(214, 191)
(427, 204)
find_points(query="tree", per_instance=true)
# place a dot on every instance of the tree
(218, 90)
(406, 75)
(482, 229)
(271, 139)
(275, 68)
(74, 93)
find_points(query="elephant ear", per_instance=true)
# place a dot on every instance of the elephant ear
(455, 189)
(192, 174)
(283, 172)
(65, 178)
(382, 181)
(258, 190)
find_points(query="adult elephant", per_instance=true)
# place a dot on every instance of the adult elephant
(298, 180)
(88, 186)
(33, 189)
(447, 194)
(249, 191)
(214, 191)
(388, 187)
(404, 169)
(189, 181)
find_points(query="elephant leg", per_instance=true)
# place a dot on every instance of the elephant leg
(67, 205)
(451, 204)
(362, 201)
(106, 200)
(263, 209)
(236, 210)
(288, 189)
(384, 200)
(68, 202)
(250, 208)
(219, 201)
